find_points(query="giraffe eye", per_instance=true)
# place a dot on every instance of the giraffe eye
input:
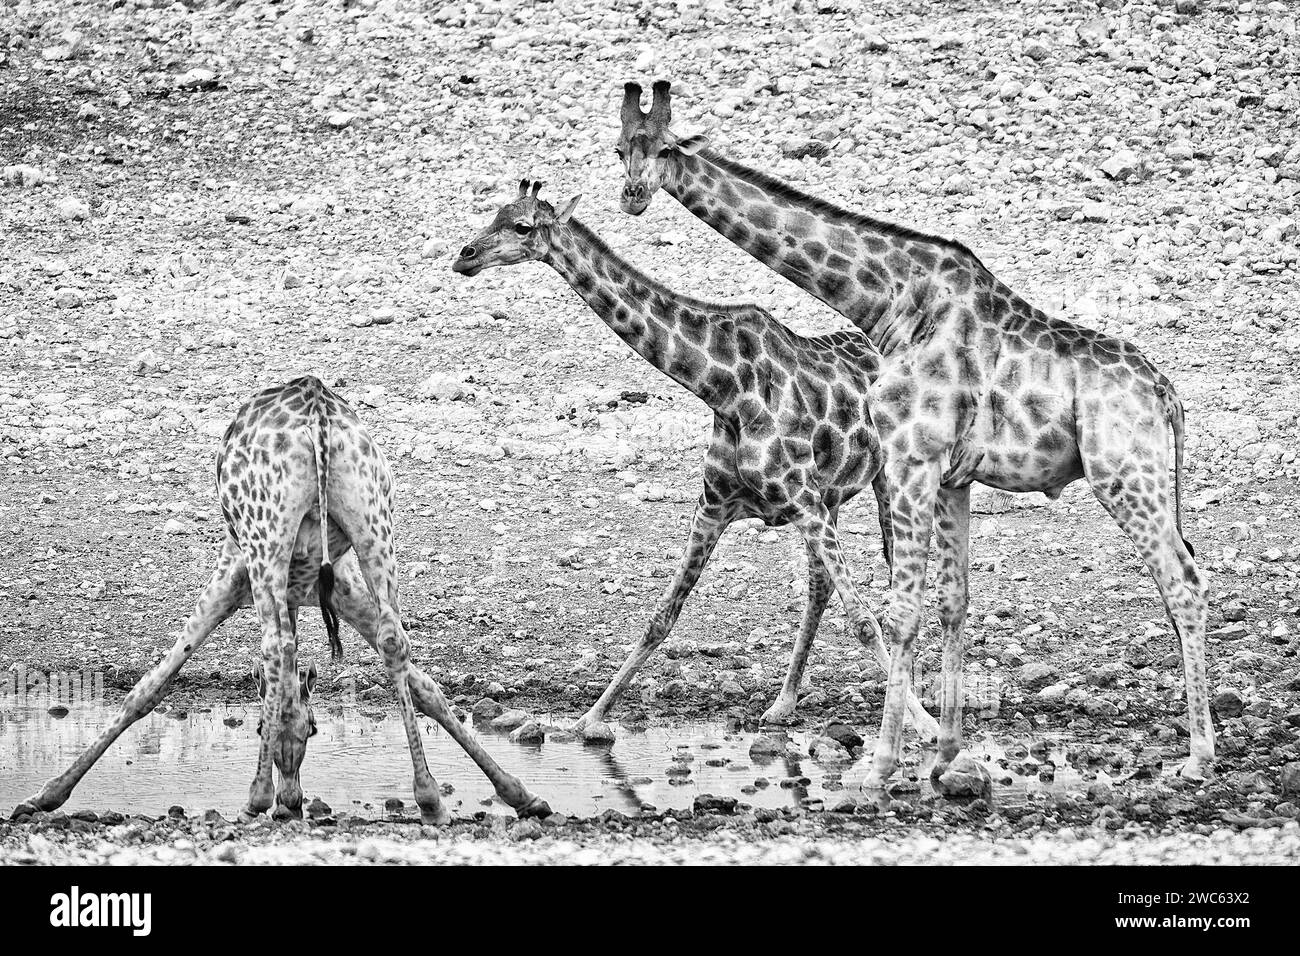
(523, 228)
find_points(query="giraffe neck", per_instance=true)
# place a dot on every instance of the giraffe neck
(872, 272)
(673, 333)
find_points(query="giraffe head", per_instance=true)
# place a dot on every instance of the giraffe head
(646, 146)
(520, 232)
(297, 725)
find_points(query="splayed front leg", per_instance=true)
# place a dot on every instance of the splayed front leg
(355, 604)
(707, 526)
(225, 592)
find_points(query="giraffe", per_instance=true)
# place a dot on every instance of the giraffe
(792, 434)
(307, 498)
(973, 384)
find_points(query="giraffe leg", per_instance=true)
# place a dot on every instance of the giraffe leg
(373, 546)
(911, 517)
(952, 537)
(268, 580)
(819, 592)
(710, 520)
(224, 593)
(1147, 517)
(355, 604)
(819, 531)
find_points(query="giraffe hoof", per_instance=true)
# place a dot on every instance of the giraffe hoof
(249, 815)
(1194, 770)
(781, 712)
(874, 782)
(535, 807)
(438, 816)
(24, 809)
(585, 721)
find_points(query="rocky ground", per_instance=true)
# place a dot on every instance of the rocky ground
(710, 839)
(199, 199)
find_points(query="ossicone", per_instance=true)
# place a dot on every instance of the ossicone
(661, 104)
(632, 102)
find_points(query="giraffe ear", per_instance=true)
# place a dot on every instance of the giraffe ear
(690, 145)
(563, 214)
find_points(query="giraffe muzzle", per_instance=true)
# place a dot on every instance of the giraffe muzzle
(635, 197)
(467, 262)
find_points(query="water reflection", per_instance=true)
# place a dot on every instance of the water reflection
(203, 758)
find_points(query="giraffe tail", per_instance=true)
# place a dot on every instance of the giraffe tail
(325, 577)
(1174, 411)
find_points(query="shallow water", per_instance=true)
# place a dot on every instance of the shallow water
(204, 758)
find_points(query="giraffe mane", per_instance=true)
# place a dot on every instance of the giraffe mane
(654, 285)
(782, 189)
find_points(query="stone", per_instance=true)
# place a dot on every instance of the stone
(1228, 703)
(529, 829)
(68, 298)
(198, 78)
(965, 778)
(72, 209)
(486, 709)
(843, 734)
(598, 733)
(510, 720)
(765, 746)
(708, 803)
(1037, 674)
(828, 751)
(1290, 779)
(529, 732)
(1122, 165)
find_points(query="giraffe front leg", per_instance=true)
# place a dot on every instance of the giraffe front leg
(952, 537)
(269, 677)
(227, 589)
(819, 592)
(356, 605)
(911, 520)
(710, 520)
(428, 697)
(395, 649)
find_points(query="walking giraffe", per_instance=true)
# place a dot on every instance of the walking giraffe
(302, 486)
(974, 384)
(792, 432)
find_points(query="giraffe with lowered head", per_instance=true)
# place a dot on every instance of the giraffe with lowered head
(973, 384)
(307, 498)
(793, 437)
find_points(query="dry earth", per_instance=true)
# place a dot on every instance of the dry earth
(201, 199)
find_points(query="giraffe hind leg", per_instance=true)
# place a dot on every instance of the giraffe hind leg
(357, 606)
(1138, 499)
(952, 540)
